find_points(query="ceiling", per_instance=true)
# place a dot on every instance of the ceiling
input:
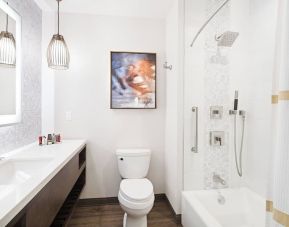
(130, 8)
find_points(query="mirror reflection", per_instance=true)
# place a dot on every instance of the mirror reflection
(7, 65)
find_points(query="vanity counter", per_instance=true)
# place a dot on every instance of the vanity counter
(26, 171)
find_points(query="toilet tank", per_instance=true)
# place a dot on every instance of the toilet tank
(133, 163)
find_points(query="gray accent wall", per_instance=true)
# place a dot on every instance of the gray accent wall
(26, 132)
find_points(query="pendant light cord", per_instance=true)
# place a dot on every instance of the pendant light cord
(58, 18)
(7, 20)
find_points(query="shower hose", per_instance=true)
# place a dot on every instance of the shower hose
(239, 160)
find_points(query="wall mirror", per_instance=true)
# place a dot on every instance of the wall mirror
(10, 65)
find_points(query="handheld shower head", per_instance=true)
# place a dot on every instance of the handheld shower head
(236, 100)
(227, 39)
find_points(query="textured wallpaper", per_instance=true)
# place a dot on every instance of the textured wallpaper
(26, 132)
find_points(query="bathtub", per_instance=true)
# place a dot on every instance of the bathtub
(241, 208)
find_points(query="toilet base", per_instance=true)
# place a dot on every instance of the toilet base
(134, 221)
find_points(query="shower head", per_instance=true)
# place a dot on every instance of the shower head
(227, 39)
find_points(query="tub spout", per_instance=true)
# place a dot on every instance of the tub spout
(218, 179)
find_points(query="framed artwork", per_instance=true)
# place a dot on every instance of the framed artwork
(133, 80)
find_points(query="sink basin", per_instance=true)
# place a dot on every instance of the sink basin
(15, 171)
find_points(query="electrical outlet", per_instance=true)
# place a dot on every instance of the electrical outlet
(68, 116)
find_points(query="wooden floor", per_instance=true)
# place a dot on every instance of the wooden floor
(90, 215)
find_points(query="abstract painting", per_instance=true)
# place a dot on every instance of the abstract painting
(133, 80)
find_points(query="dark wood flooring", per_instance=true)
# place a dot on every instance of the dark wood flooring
(111, 215)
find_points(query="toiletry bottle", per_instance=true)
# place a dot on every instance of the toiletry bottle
(58, 138)
(53, 139)
(43, 140)
(49, 139)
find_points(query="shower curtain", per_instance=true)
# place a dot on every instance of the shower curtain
(278, 188)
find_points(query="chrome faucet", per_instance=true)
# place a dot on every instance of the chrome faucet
(218, 179)
(2, 158)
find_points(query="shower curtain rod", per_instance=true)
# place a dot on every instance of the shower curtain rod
(208, 21)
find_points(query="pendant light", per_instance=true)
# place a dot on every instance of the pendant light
(57, 52)
(7, 47)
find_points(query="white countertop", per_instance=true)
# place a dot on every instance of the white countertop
(13, 198)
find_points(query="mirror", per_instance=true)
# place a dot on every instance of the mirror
(10, 65)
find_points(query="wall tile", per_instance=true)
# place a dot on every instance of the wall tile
(12, 137)
(216, 91)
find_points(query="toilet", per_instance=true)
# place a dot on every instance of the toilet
(136, 194)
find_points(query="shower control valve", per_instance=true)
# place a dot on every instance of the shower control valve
(216, 112)
(217, 138)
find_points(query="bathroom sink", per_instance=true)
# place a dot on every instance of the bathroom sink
(14, 171)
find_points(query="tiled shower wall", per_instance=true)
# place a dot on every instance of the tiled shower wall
(12, 137)
(211, 77)
(216, 92)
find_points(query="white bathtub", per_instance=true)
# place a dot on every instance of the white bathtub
(243, 208)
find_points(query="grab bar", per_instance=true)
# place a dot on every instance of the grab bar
(195, 147)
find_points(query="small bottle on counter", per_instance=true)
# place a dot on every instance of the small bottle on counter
(44, 140)
(58, 138)
(49, 139)
(40, 141)
(53, 139)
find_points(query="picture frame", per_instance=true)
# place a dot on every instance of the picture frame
(133, 80)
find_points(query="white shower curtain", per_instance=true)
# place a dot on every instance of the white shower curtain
(278, 189)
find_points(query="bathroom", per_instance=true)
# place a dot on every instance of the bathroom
(150, 113)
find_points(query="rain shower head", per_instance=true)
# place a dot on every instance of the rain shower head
(227, 39)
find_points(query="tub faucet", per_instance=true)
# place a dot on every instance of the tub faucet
(2, 158)
(218, 179)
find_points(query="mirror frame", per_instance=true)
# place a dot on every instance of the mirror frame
(14, 118)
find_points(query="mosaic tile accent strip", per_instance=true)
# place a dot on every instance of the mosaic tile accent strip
(12, 137)
(217, 87)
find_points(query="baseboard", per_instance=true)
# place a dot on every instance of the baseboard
(111, 200)
(98, 201)
(160, 197)
(114, 200)
(178, 217)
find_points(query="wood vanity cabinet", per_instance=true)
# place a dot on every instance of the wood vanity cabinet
(53, 205)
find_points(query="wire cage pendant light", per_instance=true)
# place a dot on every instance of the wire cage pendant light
(7, 48)
(57, 53)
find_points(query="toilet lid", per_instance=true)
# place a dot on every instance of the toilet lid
(137, 189)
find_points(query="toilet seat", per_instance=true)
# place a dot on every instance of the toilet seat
(136, 193)
(136, 190)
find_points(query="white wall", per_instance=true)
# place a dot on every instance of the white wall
(49, 27)
(174, 105)
(194, 94)
(252, 65)
(84, 90)
(47, 80)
